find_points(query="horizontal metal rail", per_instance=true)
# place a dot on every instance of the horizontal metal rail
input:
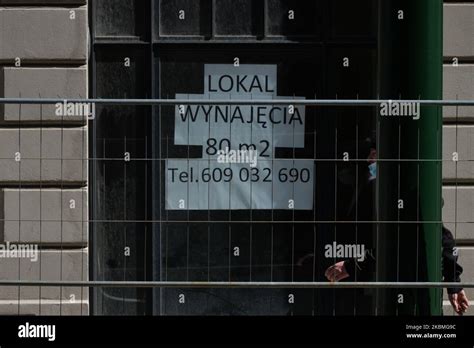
(364, 222)
(237, 285)
(303, 102)
(234, 285)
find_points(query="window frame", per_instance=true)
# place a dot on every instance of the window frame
(150, 43)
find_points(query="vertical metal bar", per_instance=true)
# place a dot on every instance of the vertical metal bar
(167, 219)
(272, 154)
(456, 186)
(251, 202)
(293, 223)
(230, 217)
(161, 183)
(83, 159)
(187, 205)
(145, 224)
(378, 253)
(61, 212)
(93, 186)
(41, 197)
(209, 215)
(19, 203)
(335, 198)
(125, 224)
(417, 213)
(153, 136)
(356, 196)
(398, 210)
(314, 219)
(104, 192)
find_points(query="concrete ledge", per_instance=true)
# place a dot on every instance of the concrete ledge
(463, 231)
(458, 30)
(42, 2)
(48, 155)
(43, 34)
(50, 265)
(458, 139)
(43, 307)
(464, 227)
(466, 260)
(64, 83)
(51, 217)
(458, 82)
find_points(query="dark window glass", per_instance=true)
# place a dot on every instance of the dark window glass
(351, 75)
(270, 251)
(353, 19)
(293, 18)
(183, 17)
(198, 245)
(120, 187)
(197, 251)
(122, 73)
(121, 18)
(347, 65)
(239, 17)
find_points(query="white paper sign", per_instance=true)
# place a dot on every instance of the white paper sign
(238, 169)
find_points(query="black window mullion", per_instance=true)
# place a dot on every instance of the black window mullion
(213, 19)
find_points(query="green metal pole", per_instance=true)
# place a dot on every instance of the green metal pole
(410, 67)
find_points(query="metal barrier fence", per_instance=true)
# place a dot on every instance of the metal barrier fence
(250, 284)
